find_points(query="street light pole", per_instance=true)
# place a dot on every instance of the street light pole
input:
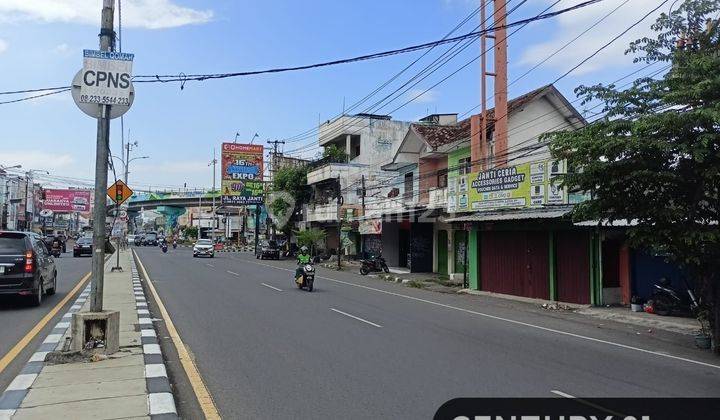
(213, 162)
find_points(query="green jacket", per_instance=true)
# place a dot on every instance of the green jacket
(303, 258)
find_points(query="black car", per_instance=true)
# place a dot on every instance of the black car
(150, 239)
(26, 267)
(268, 249)
(83, 246)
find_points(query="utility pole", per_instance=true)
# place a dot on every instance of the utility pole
(362, 194)
(273, 162)
(107, 39)
(213, 162)
(339, 217)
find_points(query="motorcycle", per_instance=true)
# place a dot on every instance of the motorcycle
(163, 246)
(56, 250)
(373, 264)
(174, 244)
(667, 300)
(307, 278)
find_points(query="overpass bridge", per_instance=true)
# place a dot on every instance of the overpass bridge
(172, 204)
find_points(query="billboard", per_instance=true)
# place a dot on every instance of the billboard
(520, 186)
(242, 174)
(67, 200)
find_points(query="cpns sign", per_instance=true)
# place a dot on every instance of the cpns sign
(106, 78)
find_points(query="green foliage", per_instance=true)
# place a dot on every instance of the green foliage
(279, 206)
(655, 157)
(292, 179)
(310, 238)
(190, 231)
(335, 153)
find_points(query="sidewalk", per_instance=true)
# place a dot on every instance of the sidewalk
(131, 383)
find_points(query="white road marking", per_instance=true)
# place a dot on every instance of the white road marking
(233, 273)
(562, 394)
(272, 287)
(356, 317)
(588, 403)
(210, 265)
(511, 321)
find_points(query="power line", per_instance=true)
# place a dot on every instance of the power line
(35, 96)
(610, 42)
(201, 77)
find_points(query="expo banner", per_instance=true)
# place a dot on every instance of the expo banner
(242, 173)
(520, 186)
(67, 201)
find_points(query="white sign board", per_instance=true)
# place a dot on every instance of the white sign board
(106, 78)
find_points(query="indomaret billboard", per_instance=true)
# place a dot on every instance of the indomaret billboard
(242, 174)
(67, 200)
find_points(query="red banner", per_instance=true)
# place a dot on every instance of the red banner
(67, 200)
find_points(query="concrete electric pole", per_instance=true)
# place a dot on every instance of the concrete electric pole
(107, 38)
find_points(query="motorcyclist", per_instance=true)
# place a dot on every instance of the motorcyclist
(302, 259)
(56, 242)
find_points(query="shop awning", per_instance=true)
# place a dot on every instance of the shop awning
(491, 216)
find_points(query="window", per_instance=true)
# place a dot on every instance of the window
(408, 185)
(442, 178)
(464, 166)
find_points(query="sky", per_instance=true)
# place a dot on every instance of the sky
(41, 43)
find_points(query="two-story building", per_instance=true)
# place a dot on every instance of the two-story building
(368, 141)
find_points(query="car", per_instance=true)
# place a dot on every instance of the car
(83, 246)
(26, 267)
(139, 239)
(204, 247)
(268, 249)
(130, 238)
(150, 239)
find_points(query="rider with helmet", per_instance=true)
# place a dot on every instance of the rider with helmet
(302, 259)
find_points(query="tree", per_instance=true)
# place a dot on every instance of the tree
(654, 159)
(293, 180)
(310, 238)
(335, 154)
(190, 231)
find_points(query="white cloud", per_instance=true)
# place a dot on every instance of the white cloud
(425, 97)
(3, 46)
(56, 163)
(571, 24)
(149, 14)
(62, 49)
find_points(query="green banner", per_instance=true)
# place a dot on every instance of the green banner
(520, 186)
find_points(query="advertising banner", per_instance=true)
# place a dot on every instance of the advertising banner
(242, 173)
(520, 186)
(67, 200)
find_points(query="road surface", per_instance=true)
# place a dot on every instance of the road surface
(359, 347)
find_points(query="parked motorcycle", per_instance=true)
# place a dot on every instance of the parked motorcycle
(164, 247)
(667, 300)
(307, 278)
(373, 264)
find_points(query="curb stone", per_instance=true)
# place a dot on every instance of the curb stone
(161, 403)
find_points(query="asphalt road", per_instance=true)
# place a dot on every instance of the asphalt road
(17, 318)
(359, 347)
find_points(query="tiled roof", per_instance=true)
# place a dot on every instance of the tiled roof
(440, 135)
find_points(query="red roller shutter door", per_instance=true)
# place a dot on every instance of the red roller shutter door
(573, 266)
(515, 263)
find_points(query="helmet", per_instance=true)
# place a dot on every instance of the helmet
(304, 248)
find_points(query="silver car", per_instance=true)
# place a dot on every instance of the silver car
(204, 247)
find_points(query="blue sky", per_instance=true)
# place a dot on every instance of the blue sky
(41, 44)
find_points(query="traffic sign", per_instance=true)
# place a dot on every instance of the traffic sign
(119, 192)
(105, 79)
